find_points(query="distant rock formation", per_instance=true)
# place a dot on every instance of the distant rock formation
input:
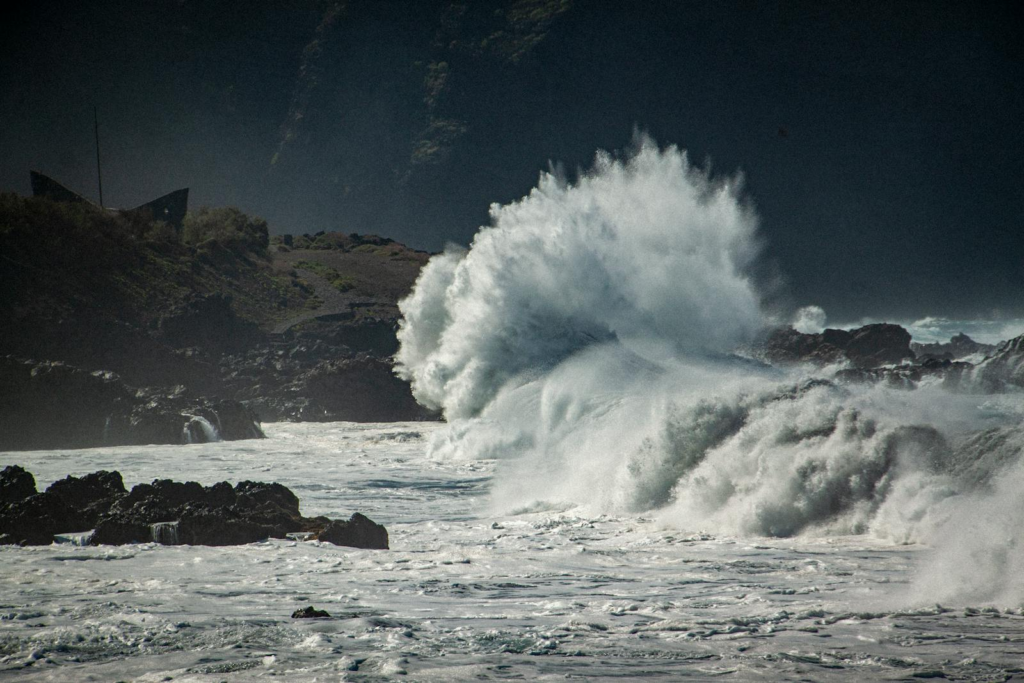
(166, 512)
(959, 346)
(1003, 370)
(870, 346)
(190, 316)
(880, 353)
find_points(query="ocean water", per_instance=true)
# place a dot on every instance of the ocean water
(468, 592)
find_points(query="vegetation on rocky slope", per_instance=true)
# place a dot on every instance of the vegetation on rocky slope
(73, 262)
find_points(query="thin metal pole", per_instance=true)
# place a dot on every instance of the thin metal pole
(99, 172)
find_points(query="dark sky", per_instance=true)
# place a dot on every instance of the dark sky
(881, 142)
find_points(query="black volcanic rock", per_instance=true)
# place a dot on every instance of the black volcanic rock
(68, 505)
(204, 525)
(16, 484)
(360, 388)
(167, 512)
(34, 520)
(256, 494)
(207, 321)
(879, 344)
(866, 347)
(310, 613)
(121, 530)
(38, 396)
(221, 515)
(358, 532)
(91, 496)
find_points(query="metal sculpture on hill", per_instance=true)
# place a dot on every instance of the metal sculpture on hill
(170, 208)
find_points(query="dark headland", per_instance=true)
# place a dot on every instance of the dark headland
(118, 330)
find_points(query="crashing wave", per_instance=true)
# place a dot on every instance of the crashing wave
(585, 339)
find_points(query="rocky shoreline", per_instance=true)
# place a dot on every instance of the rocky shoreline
(55, 405)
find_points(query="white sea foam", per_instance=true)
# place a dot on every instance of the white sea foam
(199, 430)
(464, 593)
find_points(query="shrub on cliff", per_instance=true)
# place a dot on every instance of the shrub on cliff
(228, 227)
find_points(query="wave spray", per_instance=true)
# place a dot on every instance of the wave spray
(588, 339)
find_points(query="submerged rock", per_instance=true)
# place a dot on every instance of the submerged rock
(310, 613)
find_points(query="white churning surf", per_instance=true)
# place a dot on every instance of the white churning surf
(465, 593)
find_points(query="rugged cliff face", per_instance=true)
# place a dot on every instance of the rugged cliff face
(870, 346)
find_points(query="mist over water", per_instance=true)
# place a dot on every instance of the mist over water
(587, 339)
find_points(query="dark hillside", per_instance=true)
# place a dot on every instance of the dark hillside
(216, 312)
(102, 291)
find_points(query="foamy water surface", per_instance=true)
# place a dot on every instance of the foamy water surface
(465, 593)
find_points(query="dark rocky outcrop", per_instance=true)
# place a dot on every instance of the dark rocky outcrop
(870, 346)
(959, 346)
(207, 321)
(879, 344)
(167, 512)
(1003, 370)
(34, 520)
(16, 484)
(69, 505)
(361, 389)
(91, 496)
(309, 384)
(310, 613)
(882, 353)
(55, 405)
(359, 531)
